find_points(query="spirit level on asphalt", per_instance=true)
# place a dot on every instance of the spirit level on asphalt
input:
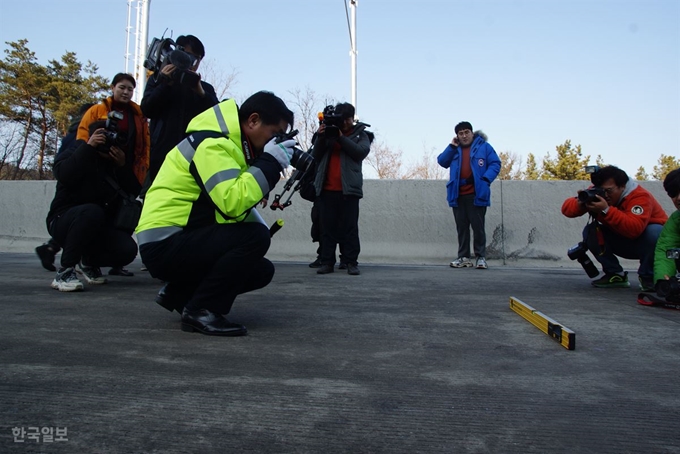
(559, 332)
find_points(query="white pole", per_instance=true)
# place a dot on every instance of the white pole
(143, 43)
(353, 54)
(127, 37)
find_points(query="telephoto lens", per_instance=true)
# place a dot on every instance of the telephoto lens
(301, 160)
(579, 253)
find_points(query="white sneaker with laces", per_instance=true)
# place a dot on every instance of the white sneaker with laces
(481, 263)
(461, 262)
(67, 281)
(91, 274)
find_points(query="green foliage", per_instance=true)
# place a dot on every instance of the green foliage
(567, 165)
(40, 100)
(641, 174)
(666, 165)
(531, 171)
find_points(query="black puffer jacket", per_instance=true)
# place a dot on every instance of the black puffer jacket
(80, 174)
(170, 109)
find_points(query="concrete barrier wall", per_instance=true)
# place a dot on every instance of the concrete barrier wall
(401, 222)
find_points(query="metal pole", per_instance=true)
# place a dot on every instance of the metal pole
(127, 37)
(353, 54)
(143, 43)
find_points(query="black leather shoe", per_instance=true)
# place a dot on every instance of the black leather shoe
(46, 255)
(353, 270)
(342, 266)
(171, 299)
(325, 269)
(120, 272)
(210, 323)
(315, 264)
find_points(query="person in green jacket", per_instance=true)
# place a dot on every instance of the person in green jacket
(665, 269)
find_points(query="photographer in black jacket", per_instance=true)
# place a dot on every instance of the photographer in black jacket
(171, 105)
(339, 151)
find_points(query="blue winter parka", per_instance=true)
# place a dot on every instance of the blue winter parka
(485, 165)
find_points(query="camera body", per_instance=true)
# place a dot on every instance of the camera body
(673, 253)
(579, 252)
(590, 194)
(332, 120)
(111, 133)
(163, 52)
(301, 160)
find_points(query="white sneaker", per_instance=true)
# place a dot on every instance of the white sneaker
(91, 274)
(67, 281)
(480, 264)
(461, 262)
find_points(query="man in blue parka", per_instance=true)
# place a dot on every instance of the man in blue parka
(473, 165)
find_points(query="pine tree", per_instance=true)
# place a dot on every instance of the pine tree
(567, 165)
(531, 171)
(666, 165)
(641, 174)
(40, 100)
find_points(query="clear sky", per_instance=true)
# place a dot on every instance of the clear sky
(529, 73)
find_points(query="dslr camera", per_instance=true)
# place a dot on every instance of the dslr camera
(301, 160)
(579, 252)
(163, 52)
(111, 133)
(332, 120)
(590, 195)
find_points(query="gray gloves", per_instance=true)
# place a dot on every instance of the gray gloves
(281, 151)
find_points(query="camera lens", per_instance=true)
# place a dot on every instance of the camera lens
(301, 160)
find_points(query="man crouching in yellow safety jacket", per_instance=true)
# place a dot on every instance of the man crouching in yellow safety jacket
(199, 230)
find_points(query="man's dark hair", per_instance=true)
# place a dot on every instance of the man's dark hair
(672, 183)
(345, 110)
(123, 76)
(462, 126)
(605, 173)
(270, 107)
(195, 44)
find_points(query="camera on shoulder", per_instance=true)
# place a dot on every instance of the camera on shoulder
(163, 52)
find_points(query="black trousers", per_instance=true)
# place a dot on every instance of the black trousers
(339, 226)
(212, 264)
(85, 233)
(468, 215)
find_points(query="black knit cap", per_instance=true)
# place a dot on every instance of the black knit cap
(463, 125)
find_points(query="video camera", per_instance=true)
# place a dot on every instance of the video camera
(332, 120)
(163, 52)
(579, 252)
(111, 133)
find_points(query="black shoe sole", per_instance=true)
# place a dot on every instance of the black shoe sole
(190, 329)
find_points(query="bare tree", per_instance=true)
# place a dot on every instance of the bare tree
(306, 105)
(511, 166)
(426, 168)
(221, 80)
(385, 161)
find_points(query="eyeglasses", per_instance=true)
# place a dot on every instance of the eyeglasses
(608, 191)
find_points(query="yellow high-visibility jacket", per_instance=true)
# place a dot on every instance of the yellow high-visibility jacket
(212, 157)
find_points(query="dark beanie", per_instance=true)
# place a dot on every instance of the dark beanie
(463, 125)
